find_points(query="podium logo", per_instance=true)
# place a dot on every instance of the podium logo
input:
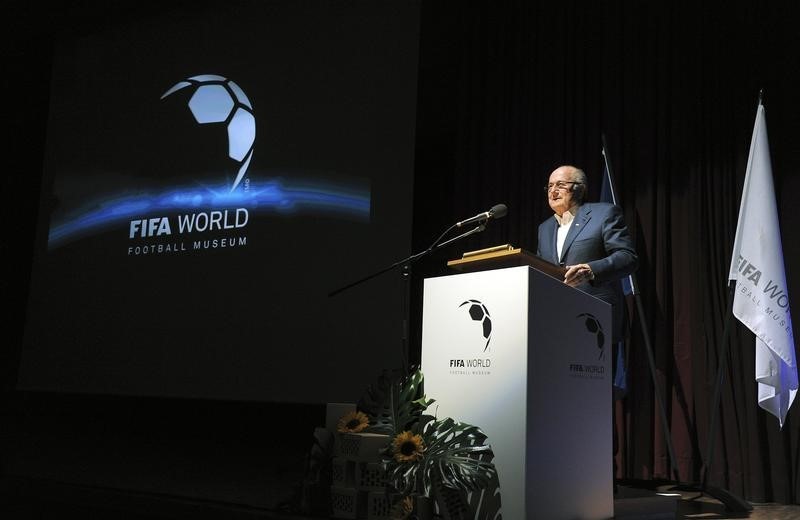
(478, 312)
(594, 370)
(593, 327)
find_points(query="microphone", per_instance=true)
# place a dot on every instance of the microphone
(497, 211)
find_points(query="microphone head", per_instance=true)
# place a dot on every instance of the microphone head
(498, 211)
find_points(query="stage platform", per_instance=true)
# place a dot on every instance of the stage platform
(636, 503)
(29, 499)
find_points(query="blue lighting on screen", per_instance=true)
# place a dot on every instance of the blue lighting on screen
(271, 196)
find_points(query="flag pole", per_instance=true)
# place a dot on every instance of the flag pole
(645, 333)
(723, 357)
(732, 502)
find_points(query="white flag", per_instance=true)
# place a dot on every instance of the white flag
(761, 299)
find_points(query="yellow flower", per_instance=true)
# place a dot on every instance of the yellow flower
(353, 422)
(408, 447)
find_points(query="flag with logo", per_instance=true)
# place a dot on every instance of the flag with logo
(761, 300)
(608, 194)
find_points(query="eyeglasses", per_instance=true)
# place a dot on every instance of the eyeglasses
(560, 185)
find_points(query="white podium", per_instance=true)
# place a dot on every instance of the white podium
(528, 360)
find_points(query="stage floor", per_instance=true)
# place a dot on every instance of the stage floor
(644, 501)
(32, 499)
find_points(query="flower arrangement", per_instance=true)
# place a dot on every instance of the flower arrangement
(427, 458)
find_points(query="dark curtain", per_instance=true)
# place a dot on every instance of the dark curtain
(510, 90)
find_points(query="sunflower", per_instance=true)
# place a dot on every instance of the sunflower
(408, 447)
(353, 422)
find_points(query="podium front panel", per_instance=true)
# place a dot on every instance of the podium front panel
(520, 355)
(477, 379)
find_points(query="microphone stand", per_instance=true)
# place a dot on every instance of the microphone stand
(405, 273)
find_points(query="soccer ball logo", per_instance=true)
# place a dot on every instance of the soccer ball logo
(478, 312)
(220, 100)
(596, 329)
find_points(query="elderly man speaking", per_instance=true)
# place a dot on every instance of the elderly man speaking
(590, 239)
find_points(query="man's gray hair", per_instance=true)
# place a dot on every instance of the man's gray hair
(579, 176)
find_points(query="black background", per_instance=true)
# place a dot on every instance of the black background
(333, 90)
(506, 93)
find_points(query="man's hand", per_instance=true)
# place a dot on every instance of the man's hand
(577, 274)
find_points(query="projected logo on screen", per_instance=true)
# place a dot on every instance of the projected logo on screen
(153, 213)
(220, 100)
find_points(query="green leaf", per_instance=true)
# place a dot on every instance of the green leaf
(455, 456)
(394, 403)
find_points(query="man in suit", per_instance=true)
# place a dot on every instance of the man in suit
(590, 239)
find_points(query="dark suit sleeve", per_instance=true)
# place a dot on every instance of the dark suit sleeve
(621, 259)
(540, 241)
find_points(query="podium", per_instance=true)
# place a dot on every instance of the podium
(527, 359)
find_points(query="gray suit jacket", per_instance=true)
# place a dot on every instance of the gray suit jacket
(599, 237)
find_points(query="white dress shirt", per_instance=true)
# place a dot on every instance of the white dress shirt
(564, 222)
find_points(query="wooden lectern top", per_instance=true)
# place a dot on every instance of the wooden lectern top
(504, 256)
